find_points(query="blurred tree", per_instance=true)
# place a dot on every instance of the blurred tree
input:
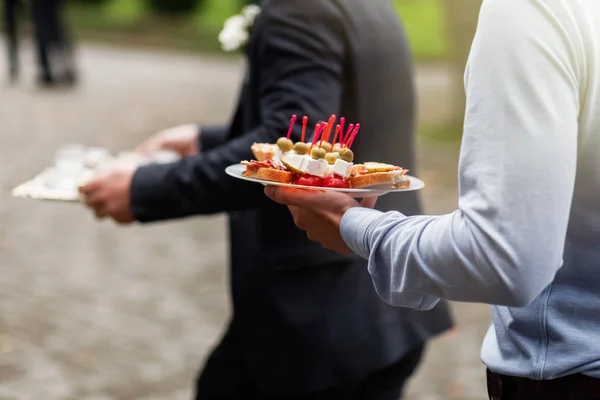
(175, 6)
(124, 12)
(91, 1)
(212, 13)
(461, 18)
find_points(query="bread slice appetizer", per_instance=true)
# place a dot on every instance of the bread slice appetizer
(268, 170)
(320, 162)
(275, 175)
(264, 151)
(378, 174)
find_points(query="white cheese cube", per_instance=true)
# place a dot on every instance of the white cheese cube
(342, 168)
(278, 155)
(295, 160)
(315, 167)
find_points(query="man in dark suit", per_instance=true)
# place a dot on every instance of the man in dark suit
(307, 322)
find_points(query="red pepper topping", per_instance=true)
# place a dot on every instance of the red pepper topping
(335, 181)
(309, 180)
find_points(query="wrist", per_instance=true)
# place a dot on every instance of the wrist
(337, 217)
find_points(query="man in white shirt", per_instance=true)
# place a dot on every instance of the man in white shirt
(525, 237)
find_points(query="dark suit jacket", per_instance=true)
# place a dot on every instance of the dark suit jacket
(304, 317)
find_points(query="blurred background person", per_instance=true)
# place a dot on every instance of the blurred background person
(54, 55)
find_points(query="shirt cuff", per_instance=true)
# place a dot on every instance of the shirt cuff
(354, 229)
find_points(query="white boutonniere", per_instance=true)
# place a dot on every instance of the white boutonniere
(236, 31)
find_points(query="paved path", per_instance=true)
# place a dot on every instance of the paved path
(89, 311)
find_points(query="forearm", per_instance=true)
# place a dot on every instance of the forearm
(504, 244)
(414, 261)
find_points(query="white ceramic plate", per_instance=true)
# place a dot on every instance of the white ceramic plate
(34, 191)
(370, 191)
(74, 164)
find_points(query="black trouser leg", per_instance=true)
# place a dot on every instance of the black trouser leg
(44, 62)
(389, 383)
(223, 376)
(43, 16)
(64, 48)
(12, 39)
(385, 384)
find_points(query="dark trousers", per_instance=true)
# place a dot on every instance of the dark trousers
(53, 46)
(571, 387)
(12, 39)
(224, 378)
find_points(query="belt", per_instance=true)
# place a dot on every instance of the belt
(571, 387)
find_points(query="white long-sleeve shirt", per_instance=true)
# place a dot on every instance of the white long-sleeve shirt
(526, 236)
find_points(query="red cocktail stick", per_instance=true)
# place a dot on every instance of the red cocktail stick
(354, 135)
(318, 130)
(316, 133)
(349, 138)
(324, 128)
(292, 123)
(347, 135)
(342, 124)
(330, 126)
(337, 132)
(304, 122)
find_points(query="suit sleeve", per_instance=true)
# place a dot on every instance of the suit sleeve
(298, 57)
(211, 136)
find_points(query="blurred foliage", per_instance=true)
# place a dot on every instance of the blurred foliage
(91, 1)
(425, 24)
(461, 18)
(214, 13)
(174, 6)
(197, 29)
(124, 12)
(440, 132)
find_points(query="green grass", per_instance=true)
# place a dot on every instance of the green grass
(133, 22)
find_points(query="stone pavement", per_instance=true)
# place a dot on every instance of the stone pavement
(90, 311)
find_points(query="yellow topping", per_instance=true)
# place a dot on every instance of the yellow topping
(318, 153)
(378, 167)
(285, 144)
(331, 158)
(301, 148)
(347, 155)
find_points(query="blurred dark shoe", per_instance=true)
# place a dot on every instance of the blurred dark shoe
(13, 77)
(69, 78)
(46, 80)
